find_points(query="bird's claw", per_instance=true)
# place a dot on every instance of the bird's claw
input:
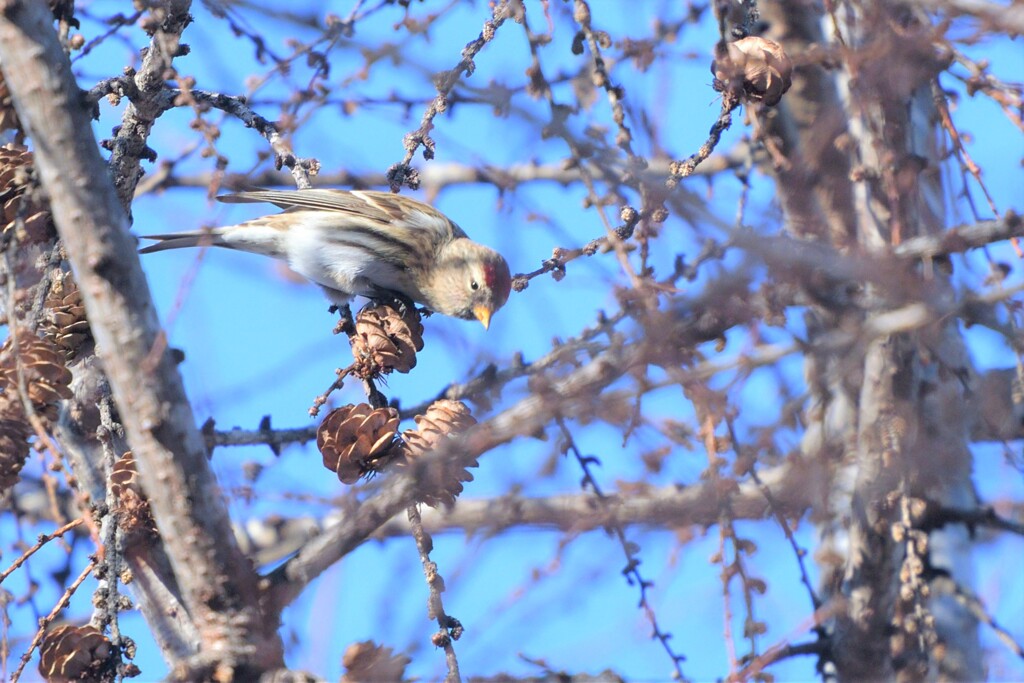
(395, 300)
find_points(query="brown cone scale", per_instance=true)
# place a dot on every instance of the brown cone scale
(444, 419)
(355, 440)
(47, 379)
(75, 653)
(386, 340)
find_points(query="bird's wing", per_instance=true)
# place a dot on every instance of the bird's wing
(380, 207)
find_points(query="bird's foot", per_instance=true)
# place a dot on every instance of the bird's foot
(395, 300)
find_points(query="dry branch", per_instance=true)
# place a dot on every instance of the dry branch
(438, 176)
(215, 578)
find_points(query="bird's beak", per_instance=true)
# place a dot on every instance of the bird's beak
(483, 314)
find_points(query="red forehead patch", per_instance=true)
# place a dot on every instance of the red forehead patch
(498, 280)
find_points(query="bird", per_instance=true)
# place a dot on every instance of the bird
(365, 243)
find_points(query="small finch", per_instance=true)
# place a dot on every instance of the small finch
(368, 244)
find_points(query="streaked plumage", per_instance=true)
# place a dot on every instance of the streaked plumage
(366, 243)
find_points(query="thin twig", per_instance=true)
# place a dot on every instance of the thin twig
(682, 169)
(632, 569)
(776, 509)
(402, 174)
(65, 599)
(40, 542)
(977, 609)
(450, 628)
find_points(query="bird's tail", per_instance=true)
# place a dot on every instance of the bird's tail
(181, 240)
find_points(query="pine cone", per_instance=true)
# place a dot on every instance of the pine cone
(386, 340)
(75, 653)
(64, 321)
(8, 117)
(14, 433)
(124, 477)
(442, 482)
(760, 64)
(16, 169)
(133, 512)
(47, 379)
(355, 440)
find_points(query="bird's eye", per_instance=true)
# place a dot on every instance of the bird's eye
(474, 286)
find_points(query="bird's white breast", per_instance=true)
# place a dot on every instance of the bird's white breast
(349, 262)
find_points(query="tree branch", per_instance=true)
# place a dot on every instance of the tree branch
(962, 237)
(216, 580)
(146, 102)
(437, 176)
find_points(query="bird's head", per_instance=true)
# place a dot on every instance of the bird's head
(471, 282)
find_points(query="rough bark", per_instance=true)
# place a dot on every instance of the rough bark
(216, 581)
